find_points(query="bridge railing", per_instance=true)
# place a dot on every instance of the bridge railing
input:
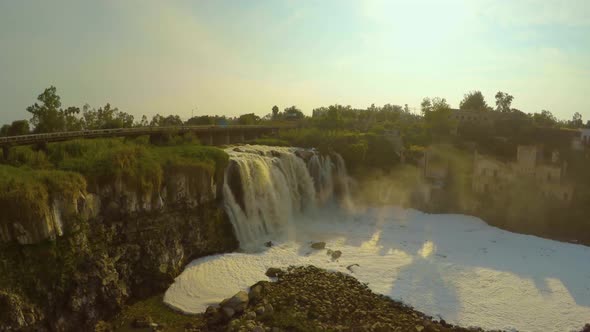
(32, 138)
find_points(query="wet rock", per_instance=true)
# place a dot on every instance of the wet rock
(268, 244)
(103, 326)
(250, 315)
(260, 311)
(238, 302)
(255, 294)
(228, 312)
(318, 245)
(336, 254)
(273, 272)
(268, 308)
(304, 154)
(142, 322)
(349, 267)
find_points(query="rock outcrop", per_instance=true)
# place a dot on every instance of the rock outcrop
(312, 299)
(114, 243)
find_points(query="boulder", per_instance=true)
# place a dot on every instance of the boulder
(228, 312)
(255, 294)
(103, 326)
(273, 272)
(142, 322)
(250, 315)
(238, 302)
(318, 245)
(268, 308)
(336, 254)
(259, 311)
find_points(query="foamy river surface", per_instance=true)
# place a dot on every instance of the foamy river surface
(450, 266)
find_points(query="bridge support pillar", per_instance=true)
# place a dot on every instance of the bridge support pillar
(226, 139)
(208, 139)
(5, 151)
(237, 138)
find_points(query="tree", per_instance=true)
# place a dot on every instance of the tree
(71, 119)
(106, 117)
(275, 111)
(169, 121)
(47, 116)
(248, 119)
(545, 119)
(577, 120)
(474, 101)
(503, 102)
(143, 122)
(293, 113)
(18, 127)
(156, 119)
(4, 130)
(437, 113)
(204, 120)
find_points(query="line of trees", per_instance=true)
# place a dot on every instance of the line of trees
(48, 115)
(475, 101)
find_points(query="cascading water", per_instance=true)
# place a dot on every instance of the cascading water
(267, 188)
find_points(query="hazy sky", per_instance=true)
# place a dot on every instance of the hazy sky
(234, 57)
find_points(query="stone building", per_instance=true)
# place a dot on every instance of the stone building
(462, 117)
(491, 175)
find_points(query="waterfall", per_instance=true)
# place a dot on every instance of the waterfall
(267, 189)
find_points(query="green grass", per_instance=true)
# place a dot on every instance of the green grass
(155, 308)
(29, 178)
(134, 161)
(190, 156)
(25, 193)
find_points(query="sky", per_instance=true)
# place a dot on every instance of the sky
(234, 57)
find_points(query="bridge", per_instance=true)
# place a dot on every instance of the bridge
(208, 134)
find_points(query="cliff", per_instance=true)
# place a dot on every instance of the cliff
(108, 222)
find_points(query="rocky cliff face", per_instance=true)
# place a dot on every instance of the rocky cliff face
(90, 250)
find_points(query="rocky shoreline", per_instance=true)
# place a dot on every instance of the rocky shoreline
(302, 298)
(308, 298)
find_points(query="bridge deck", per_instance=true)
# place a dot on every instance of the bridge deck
(63, 136)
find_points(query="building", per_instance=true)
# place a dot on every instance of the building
(482, 118)
(585, 136)
(491, 175)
